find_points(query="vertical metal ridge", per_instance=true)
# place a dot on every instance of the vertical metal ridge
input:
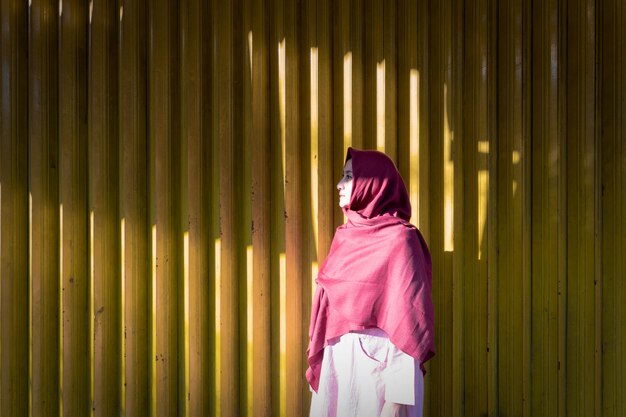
(104, 205)
(164, 128)
(15, 336)
(134, 203)
(43, 187)
(264, 385)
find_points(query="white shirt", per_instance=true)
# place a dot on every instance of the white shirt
(363, 370)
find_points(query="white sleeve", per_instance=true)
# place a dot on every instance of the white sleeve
(399, 377)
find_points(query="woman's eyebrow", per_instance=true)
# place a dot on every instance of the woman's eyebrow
(345, 171)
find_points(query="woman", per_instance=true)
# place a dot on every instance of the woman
(372, 318)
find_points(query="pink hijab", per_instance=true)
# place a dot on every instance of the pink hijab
(378, 271)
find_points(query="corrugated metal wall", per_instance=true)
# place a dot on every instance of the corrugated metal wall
(167, 194)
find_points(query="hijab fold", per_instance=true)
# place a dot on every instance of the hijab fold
(378, 270)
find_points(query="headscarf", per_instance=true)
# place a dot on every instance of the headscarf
(378, 270)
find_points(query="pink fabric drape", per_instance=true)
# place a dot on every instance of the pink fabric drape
(378, 271)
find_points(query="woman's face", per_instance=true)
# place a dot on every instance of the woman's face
(345, 185)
